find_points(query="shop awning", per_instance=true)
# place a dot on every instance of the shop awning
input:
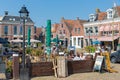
(107, 38)
(109, 28)
(101, 28)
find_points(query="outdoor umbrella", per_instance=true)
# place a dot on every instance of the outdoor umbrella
(33, 41)
(55, 40)
(3, 41)
(96, 42)
(16, 40)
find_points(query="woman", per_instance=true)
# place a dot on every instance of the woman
(82, 57)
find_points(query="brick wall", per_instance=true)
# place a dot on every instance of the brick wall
(80, 66)
(41, 69)
(45, 68)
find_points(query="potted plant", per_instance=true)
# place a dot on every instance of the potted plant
(90, 49)
(8, 71)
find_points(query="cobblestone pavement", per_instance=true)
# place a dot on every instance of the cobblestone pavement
(82, 76)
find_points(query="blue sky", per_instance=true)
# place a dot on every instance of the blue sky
(42, 10)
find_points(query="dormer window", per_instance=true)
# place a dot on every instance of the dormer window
(109, 13)
(92, 17)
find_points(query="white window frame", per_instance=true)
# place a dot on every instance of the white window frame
(110, 13)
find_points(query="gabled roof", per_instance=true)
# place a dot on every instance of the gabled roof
(71, 23)
(9, 18)
(55, 26)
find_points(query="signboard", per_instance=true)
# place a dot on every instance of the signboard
(98, 63)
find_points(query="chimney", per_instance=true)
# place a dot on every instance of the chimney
(97, 10)
(6, 13)
(78, 18)
(62, 18)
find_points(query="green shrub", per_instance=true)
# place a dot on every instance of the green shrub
(28, 50)
(90, 49)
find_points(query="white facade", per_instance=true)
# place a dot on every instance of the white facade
(77, 41)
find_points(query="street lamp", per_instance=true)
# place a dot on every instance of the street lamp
(23, 16)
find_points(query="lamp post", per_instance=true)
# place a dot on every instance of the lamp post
(23, 16)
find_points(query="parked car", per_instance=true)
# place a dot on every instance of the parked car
(115, 57)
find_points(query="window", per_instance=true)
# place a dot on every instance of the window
(15, 30)
(78, 41)
(78, 30)
(86, 29)
(110, 13)
(82, 43)
(5, 30)
(75, 29)
(21, 30)
(96, 29)
(91, 29)
(60, 32)
(63, 31)
(92, 17)
(74, 41)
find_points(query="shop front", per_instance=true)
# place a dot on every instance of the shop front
(108, 41)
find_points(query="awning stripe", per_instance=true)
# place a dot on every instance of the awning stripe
(105, 38)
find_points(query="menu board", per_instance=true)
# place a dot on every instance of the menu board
(98, 63)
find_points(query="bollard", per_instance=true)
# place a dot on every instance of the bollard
(62, 68)
(15, 66)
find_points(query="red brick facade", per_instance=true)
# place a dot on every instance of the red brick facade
(66, 29)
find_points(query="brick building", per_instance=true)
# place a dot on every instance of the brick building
(11, 27)
(70, 31)
(104, 27)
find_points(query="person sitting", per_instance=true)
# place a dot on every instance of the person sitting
(5, 51)
(77, 57)
(82, 57)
